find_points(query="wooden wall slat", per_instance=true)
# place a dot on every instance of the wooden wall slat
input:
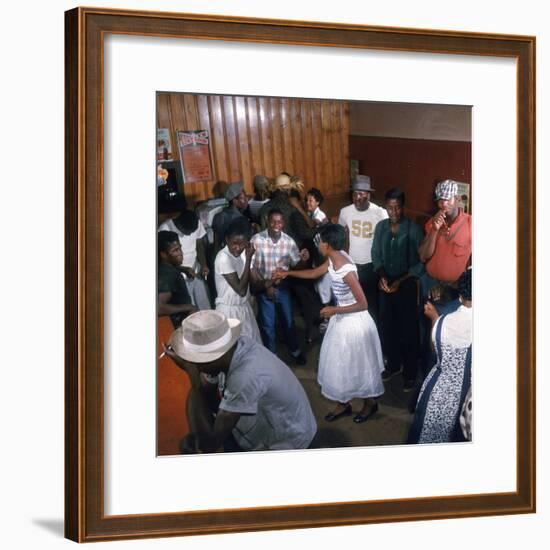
(219, 157)
(264, 111)
(261, 135)
(310, 174)
(243, 140)
(231, 144)
(255, 136)
(326, 142)
(275, 121)
(317, 129)
(296, 136)
(164, 117)
(345, 151)
(286, 134)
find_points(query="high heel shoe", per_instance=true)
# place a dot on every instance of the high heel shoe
(359, 418)
(331, 416)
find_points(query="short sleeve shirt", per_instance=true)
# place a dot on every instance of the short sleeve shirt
(361, 226)
(275, 410)
(171, 280)
(318, 215)
(270, 255)
(188, 242)
(452, 251)
(225, 264)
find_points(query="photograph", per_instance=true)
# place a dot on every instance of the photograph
(252, 353)
(314, 286)
(303, 298)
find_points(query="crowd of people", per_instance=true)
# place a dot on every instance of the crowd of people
(385, 297)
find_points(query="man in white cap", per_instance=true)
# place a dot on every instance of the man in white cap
(263, 405)
(360, 220)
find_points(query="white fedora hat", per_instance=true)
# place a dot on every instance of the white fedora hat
(205, 336)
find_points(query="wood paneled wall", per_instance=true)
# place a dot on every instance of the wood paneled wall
(414, 165)
(251, 135)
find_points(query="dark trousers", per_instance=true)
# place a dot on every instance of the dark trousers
(308, 301)
(368, 279)
(399, 330)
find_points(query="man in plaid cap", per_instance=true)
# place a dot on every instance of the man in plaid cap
(447, 247)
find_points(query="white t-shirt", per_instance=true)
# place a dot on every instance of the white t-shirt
(361, 230)
(318, 215)
(188, 242)
(224, 264)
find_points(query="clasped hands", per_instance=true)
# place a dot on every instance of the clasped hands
(384, 286)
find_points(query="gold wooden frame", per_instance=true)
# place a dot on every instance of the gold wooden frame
(84, 484)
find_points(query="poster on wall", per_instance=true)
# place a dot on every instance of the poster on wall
(464, 196)
(194, 148)
(164, 144)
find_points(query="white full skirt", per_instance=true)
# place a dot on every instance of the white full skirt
(350, 363)
(244, 313)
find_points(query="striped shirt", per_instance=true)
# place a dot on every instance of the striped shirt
(269, 255)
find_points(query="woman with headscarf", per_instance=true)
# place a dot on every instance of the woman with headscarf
(443, 393)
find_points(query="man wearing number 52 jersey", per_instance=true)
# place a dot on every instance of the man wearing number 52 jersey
(360, 219)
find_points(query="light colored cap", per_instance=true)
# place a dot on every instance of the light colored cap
(361, 183)
(282, 181)
(205, 336)
(446, 190)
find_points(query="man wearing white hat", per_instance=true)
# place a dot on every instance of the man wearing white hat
(263, 404)
(359, 220)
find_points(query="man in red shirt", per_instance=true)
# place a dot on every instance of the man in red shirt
(447, 247)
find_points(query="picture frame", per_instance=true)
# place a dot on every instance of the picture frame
(85, 518)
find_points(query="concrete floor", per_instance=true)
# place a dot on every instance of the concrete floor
(389, 426)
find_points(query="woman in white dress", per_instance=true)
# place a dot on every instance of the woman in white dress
(350, 363)
(232, 274)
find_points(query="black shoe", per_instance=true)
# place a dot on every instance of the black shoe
(331, 416)
(359, 418)
(408, 385)
(300, 359)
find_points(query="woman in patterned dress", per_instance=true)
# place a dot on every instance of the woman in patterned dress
(350, 363)
(444, 390)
